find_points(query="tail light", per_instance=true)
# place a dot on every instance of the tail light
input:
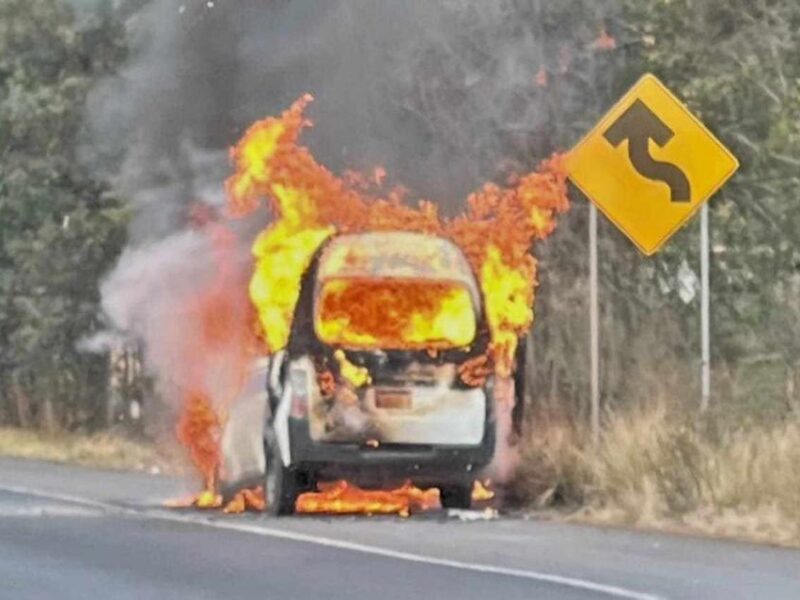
(299, 407)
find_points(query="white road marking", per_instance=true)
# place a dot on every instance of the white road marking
(48, 511)
(25, 491)
(162, 515)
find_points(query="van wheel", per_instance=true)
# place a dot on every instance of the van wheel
(455, 496)
(281, 489)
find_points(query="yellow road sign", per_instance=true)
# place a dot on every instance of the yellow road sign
(649, 164)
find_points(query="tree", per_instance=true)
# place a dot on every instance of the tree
(60, 228)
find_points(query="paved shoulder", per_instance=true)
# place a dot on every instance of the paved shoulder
(509, 555)
(49, 553)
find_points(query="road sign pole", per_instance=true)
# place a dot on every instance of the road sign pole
(705, 333)
(648, 197)
(594, 328)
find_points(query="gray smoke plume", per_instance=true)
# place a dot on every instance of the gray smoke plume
(442, 94)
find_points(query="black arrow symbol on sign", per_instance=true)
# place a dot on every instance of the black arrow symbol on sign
(638, 124)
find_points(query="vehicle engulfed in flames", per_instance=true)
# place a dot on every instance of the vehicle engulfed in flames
(390, 334)
(381, 379)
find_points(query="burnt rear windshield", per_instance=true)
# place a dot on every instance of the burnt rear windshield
(394, 314)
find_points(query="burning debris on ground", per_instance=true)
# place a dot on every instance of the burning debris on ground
(246, 500)
(342, 497)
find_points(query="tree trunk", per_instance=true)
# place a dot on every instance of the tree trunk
(22, 404)
(48, 420)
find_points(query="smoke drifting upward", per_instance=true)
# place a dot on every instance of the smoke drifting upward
(154, 294)
(441, 94)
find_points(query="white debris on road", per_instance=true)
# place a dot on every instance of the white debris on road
(487, 514)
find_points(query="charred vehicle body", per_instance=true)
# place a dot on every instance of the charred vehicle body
(377, 383)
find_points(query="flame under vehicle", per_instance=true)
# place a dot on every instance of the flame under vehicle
(371, 386)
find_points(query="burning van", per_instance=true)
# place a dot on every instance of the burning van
(378, 383)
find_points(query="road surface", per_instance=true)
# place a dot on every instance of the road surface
(68, 532)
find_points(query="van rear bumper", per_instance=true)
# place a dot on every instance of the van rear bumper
(389, 462)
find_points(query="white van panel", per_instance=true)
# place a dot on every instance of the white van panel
(242, 436)
(438, 416)
(435, 414)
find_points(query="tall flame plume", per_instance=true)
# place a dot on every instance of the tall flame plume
(496, 231)
(309, 204)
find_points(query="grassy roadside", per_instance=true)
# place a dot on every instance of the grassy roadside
(102, 450)
(653, 469)
(656, 469)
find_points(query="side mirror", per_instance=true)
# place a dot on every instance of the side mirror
(275, 379)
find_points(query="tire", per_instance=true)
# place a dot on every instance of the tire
(281, 486)
(456, 496)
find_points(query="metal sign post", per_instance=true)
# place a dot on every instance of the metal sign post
(648, 164)
(594, 326)
(705, 304)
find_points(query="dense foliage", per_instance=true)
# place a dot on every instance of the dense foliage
(59, 229)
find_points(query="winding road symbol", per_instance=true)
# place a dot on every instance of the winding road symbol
(638, 124)
(649, 163)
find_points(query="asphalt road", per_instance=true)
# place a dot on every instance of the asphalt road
(67, 532)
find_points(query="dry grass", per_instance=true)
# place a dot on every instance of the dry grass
(96, 450)
(654, 468)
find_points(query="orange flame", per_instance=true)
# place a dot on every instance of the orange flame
(604, 42)
(247, 499)
(481, 491)
(311, 204)
(217, 353)
(199, 431)
(430, 314)
(342, 497)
